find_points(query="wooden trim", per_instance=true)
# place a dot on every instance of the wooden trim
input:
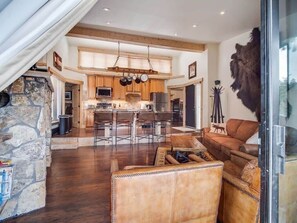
(61, 78)
(91, 33)
(198, 81)
(74, 81)
(56, 74)
(104, 72)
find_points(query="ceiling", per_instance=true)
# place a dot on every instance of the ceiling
(174, 19)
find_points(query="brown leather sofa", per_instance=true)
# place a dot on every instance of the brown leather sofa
(170, 193)
(238, 132)
(241, 189)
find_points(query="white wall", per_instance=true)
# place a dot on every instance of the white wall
(207, 66)
(231, 105)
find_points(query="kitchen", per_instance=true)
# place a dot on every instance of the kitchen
(106, 92)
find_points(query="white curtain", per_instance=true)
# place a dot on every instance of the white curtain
(38, 26)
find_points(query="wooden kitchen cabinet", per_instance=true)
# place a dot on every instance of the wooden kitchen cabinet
(102, 81)
(91, 87)
(145, 91)
(89, 118)
(157, 85)
(134, 87)
(119, 91)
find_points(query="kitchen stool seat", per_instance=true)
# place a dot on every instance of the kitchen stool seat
(124, 119)
(145, 121)
(103, 120)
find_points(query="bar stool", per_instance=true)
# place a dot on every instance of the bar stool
(146, 121)
(162, 120)
(102, 120)
(124, 119)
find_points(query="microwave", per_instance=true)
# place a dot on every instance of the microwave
(103, 92)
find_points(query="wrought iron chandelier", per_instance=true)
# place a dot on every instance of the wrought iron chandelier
(143, 77)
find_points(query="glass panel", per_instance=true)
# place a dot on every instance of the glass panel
(103, 60)
(288, 108)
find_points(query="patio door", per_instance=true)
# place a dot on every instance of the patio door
(278, 152)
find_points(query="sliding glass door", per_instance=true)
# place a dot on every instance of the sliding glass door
(278, 151)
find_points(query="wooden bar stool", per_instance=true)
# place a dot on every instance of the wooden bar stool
(146, 121)
(102, 120)
(124, 119)
(163, 121)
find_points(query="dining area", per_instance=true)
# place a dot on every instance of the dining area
(115, 127)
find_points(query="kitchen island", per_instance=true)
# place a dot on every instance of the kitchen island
(157, 126)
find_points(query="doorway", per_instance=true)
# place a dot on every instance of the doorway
(177, 106)
(190, 106)
(72, 103)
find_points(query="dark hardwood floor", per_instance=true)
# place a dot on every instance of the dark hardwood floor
(78, 183)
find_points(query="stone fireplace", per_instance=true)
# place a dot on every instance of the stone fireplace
(28, 118)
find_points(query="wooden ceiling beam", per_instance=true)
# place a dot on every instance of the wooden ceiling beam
(91, 33)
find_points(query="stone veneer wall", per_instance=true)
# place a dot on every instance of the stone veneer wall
(28, 118)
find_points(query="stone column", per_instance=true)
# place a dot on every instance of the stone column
(28, 118)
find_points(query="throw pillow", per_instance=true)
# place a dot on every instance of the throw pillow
(253, 139)
(218, 128)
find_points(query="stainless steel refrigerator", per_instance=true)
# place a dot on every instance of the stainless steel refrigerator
(159, 101)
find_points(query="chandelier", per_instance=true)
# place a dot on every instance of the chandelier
(138, 75)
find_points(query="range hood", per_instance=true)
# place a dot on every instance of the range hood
(133, 97)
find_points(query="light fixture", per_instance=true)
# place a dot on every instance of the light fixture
(194, 26)
(222, 12)
(175, 34)
(143, 72)
(108, 23)
(106, 9)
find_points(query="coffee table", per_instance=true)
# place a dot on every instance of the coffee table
(185, 143)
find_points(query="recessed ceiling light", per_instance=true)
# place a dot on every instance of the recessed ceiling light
(222, 12)
(106, 9)
(108, 23)
(175, 34)
(194, 26)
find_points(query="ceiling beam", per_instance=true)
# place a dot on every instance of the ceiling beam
(90, 33)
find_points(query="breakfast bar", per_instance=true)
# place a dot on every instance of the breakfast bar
(119, 126)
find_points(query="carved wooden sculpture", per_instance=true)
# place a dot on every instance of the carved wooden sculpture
(245, 69)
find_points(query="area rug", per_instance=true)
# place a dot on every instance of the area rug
(184, 129)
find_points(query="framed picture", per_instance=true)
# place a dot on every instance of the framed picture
(68, 95)
(57, 61)
(192, 70)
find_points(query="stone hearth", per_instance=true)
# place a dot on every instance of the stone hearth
(28, 118)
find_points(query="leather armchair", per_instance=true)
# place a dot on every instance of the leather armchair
(170, 193)
(241, 189)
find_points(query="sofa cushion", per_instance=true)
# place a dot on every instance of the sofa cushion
(230, 144)
(246, 130)
(232, 126)
(210, 135)
(232, 169)
(213, 143)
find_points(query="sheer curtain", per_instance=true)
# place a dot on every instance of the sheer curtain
(37, 27)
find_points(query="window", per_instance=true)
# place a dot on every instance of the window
(90, 58)
(57, 97)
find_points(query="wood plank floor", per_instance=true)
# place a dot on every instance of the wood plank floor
(78, 183)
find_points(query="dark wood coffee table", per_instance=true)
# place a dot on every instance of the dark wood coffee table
(183, 144)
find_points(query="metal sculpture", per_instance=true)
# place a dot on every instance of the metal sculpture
(217, 113)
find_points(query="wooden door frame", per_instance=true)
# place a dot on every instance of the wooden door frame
(195, 82)
(80, 83)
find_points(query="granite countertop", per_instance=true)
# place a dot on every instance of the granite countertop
(5, 136)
